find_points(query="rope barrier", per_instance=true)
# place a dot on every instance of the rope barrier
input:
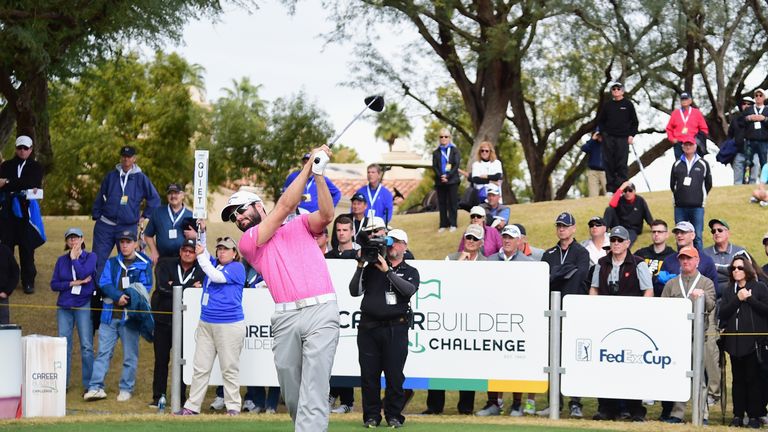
(31, 306)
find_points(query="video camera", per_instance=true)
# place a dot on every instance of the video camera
(372, 247)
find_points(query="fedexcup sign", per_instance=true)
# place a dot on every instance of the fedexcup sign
(613, 349)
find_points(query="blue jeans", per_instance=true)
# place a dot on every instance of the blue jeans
(263, 398)
(108, 335)
(694, 215)
(67, 320)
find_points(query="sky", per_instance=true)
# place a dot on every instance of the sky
(286, 54)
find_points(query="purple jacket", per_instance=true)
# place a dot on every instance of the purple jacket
(84, 266)
(491, 243)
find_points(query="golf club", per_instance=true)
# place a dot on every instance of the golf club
(642, 168)
(375, 103)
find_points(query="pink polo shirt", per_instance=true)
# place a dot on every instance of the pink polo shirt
(290, 262)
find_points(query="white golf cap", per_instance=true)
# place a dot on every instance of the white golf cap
(492, 188)
(23, 141)
(512, 231)
(398, 234)
(236, 200)
(477, 210)
(375, 223)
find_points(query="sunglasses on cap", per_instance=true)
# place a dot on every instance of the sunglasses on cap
(471, 237)
(227, 238)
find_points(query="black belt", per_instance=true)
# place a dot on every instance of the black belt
(367, 325)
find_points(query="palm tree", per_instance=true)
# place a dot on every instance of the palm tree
(392, 124)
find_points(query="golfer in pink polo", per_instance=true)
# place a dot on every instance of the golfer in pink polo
(306, 320)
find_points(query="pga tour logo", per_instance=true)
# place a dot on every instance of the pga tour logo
(625, 345)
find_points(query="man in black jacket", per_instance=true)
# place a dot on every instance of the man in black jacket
(744, 157)
(691, 181)
(754, 122)
(17, 176)
(629, 210)
(382, 336)
(445, 163)
(9, 277)
(618, 123)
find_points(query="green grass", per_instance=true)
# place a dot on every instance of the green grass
(747, 226)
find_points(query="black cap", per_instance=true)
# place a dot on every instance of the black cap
(358, 197)
(306, 156)
(127, 235)
(521, 228)
(127, 151)
(596, 219)
(684, 95)
(189, 243)
(565, 219)
(617, 84)
(174, 187)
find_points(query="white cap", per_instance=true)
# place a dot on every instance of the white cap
(398, 234)
(493, 188)
(477, 210)
(24, 141)
(375, 223)
(238, 199)
(512, 231)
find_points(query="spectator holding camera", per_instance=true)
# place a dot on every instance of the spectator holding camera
(382, 338)
(623, 274)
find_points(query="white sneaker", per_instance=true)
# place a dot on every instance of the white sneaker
(530, 408)
(270, 411)
(576, 412)
(489, 410)
(763, 203)
(452, 229)
(218, 404)
(95, 394)
(753, 200)
(648, 402)
(516, 412)
(440, 230)
(331, 402)
(251, 407)
(123, 396)
(542, 413)
(342, 409)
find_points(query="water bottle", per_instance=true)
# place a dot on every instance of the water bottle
(161, 405)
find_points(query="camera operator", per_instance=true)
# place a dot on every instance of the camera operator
(624, 274)
(382, 337)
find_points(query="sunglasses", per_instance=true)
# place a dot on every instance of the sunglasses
(476, 217)
(471, 237)
(734, 268)
(718, 230)
(23, 148)
(237, 211)
(484, 151)
(445, 136)
(592, 225)
(628, 190)
(617, 240)
(615, 88)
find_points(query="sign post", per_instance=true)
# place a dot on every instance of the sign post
(200, 185)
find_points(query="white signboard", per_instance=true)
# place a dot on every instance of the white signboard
(45, 376)
(200, 185)
(486, 314)
(627, 347)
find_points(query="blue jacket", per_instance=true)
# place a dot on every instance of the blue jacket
(383, 205)
(140, 320)
(84, 266)
(311, 189)
(594, 150)
(137, 188)
(138, 272)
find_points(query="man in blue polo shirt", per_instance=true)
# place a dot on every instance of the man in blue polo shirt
(309, 197)
(164, 233)
(378, 197)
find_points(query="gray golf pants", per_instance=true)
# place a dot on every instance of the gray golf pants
(304, 346)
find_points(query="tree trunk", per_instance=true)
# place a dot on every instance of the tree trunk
(7, 124)
(32, 118)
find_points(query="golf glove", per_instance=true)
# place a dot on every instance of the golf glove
(320, 161)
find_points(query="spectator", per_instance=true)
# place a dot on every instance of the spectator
(73, 278)
(492, 238)
(221, 332)
(511, 239)
(182, 271)
(760, 195)
(309, 197)
(744, 156)
(123, 277)
(621, 273)
(618, 123)
(164, 233)
(358, 216)
(597, 240)
(473, 237)
(755, 125)
(685, 124)
(9, 277)
(690, 284)
(629, 210)
(525, 246)
(377, 197)
(445, 163)
(656, 252)
(691, 181)
(568, 269)
(595, 170)
(322, 241)
(382, 338)
(744, 309)
(765, 247)
(19, 175)
(486, 170)
(496, 215)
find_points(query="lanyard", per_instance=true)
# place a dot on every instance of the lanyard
(183, 280)
(124, 180)
(563, 257)
(20, 168)
(693, 285)
(120, 261)
(309, 185)
(253, 279)
(373, 199)
(355, 232)
(446, 153)
(74, 276)
(170, 215)
(755, 108)
(685, 119)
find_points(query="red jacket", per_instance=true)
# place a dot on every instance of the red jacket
(694, 124)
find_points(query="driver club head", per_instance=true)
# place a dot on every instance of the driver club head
(375, 103)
